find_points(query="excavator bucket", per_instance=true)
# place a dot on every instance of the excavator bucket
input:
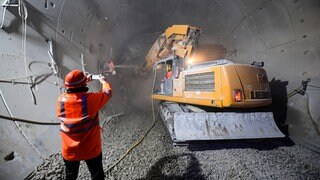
(190, 126)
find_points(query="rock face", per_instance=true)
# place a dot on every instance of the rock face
(156, 158)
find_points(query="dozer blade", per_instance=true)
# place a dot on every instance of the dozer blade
(226, 125)
(189, 126)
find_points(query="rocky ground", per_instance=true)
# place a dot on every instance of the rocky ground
(156, 158)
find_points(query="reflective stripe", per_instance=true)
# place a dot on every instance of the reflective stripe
(84, 106)
(72, 127)
(77, 82)
(82, 122)
(94, 123)
(62, 109)
(62, 119)
(62, 128)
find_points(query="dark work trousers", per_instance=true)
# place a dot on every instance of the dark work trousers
(94, 166)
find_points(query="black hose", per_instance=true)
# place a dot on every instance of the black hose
(14, 82)
(28, 121)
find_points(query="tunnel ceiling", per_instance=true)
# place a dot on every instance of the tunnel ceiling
(282, 33)
(252, 29)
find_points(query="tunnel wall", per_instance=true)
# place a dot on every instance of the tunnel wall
(283, 34)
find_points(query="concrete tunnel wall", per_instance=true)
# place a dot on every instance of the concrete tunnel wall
(283, 34)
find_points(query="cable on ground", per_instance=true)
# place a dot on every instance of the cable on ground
(302, 91)
(315, 124)
(135, 144)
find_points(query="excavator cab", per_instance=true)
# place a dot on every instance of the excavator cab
(165, 72)
(163, 76)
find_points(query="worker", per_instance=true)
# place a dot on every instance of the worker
(169, 72)
(80, 131)
(168, 76)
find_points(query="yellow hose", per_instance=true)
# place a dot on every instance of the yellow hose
(135, 144)
(315, 124)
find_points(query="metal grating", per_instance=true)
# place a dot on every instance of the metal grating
(200, 82)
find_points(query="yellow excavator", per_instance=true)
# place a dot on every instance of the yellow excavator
(229, 89)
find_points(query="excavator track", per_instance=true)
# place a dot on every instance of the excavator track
(187, 124)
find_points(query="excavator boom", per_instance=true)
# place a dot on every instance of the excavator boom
(178, 40)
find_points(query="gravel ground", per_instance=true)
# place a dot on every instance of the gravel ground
(156, 158)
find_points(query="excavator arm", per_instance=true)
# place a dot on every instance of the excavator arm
(177, 40)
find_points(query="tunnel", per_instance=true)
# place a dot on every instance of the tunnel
(42, 40)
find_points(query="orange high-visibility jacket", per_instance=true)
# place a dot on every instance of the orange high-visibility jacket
(169, 74)
(80, 131)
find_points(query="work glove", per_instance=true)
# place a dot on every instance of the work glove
(102, 79)
(108, 92)
(89, 77)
